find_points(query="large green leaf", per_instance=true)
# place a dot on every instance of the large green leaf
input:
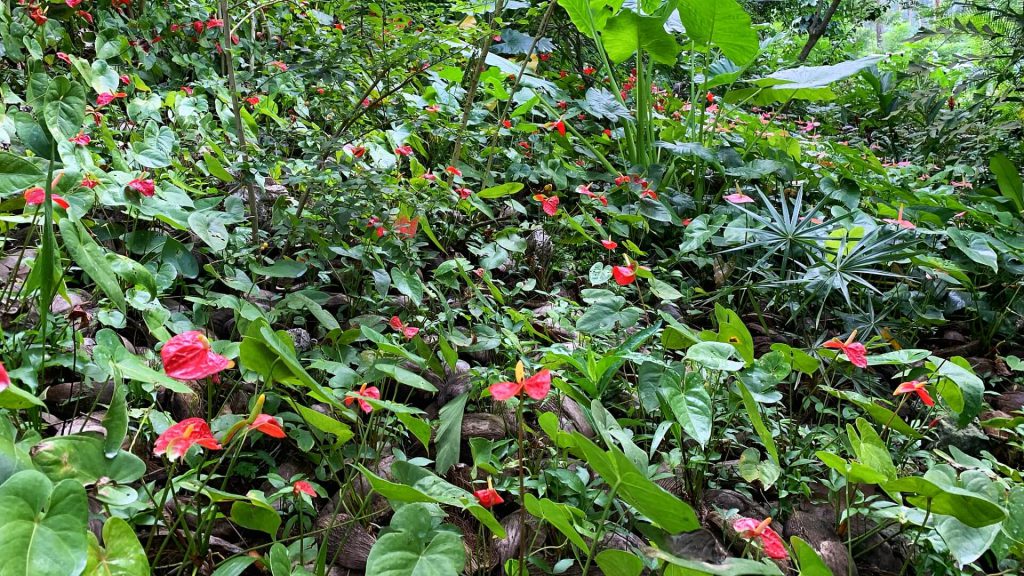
(83, 459)
(590, 16)
(91, 258)
(967, 507)
(17, 174)
(722, 23)
(959, 386)
(64, 108)
(121, 554)
(256, 515)
(449, 433)
(156, 147)
(626, 481)
(43, 526)
(810, 563)
(731, 567)
(690, 404)
(111, 353)
(628, 31)
(115, 421)
(561, 516)
(412, 548)
(619, 563)
(1008, 179)
(755, 419)
(714, 356)
(419, 485)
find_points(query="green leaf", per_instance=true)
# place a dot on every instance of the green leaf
(407, 377)
(626, 481)
(854, 472)
(280, 565)
(83, 459)
(449, 433)
(216, 168)
(18, 174)
(209, 226)
(43, 526)
(959, 386)
(408, 284)
(965, 506)
(110, 350)
(90, 256)
(590, 16)
(722, 23)
(810, 563)
(603, 104)
(664, 290)
(324, 423)
(501, 190)
(64, 108)
(816, 76)
(614, 562)
(284, 268)
(628, 32)
(235, 566)
(731, 567)
(13, 457)
(156, 147)
(561, 516)
(121, 555)
(1008, 179)
(690, 404)
(978, 246)
(714, 356)
(256, 516)
(755, 418)
(410, 549)
(880, 414)
(115, 421)
(417, 426)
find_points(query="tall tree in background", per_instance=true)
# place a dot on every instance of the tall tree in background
(817, 27)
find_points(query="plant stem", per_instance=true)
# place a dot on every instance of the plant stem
(599, 531)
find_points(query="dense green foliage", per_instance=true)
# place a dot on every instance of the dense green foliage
(575, 287)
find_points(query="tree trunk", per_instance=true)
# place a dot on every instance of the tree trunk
(879, 31)
(818, 30)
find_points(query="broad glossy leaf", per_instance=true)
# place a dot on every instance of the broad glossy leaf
(714, 356)
(614, 562)
(64, 108)
(690, 404)
(43, 526)
(121, 554)
(722, 23)
(82, 458)
(256, 516)
(91, 257)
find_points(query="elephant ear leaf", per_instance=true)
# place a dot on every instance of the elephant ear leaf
(723, 24)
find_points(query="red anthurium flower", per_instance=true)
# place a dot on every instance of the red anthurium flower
(406, 227)
(506, 123)
(372, 392)
(433, 109)
(609, 244)
(175, 27)
(488, 497)
(585, 190)
(738, 198)
(279, 65)
(72, 3)
(64, 57)
(253, 100)
(303, 487)
(409, 332)
(560, 126)
(649, 194)
(356, 151)
(453, 171)
(187, 90)
(188, 356)
(404, 150)
(268, 425)
(429, 177)
(198, 26)
(621, 179)
(82, 139)
(89, 181)
(916, 387)
(625, 275)
(536, 386)
(107, 97)
(464, 193)
(711, 98)
(5, 379)
(900, 222)
(588, 70)
(855, 352)
(214, 23)
(36, 196)
(38, 15)
(126, 79)
(85, 16)
(771, 542)
(145, 187)
(177, 439)
(548, 203)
